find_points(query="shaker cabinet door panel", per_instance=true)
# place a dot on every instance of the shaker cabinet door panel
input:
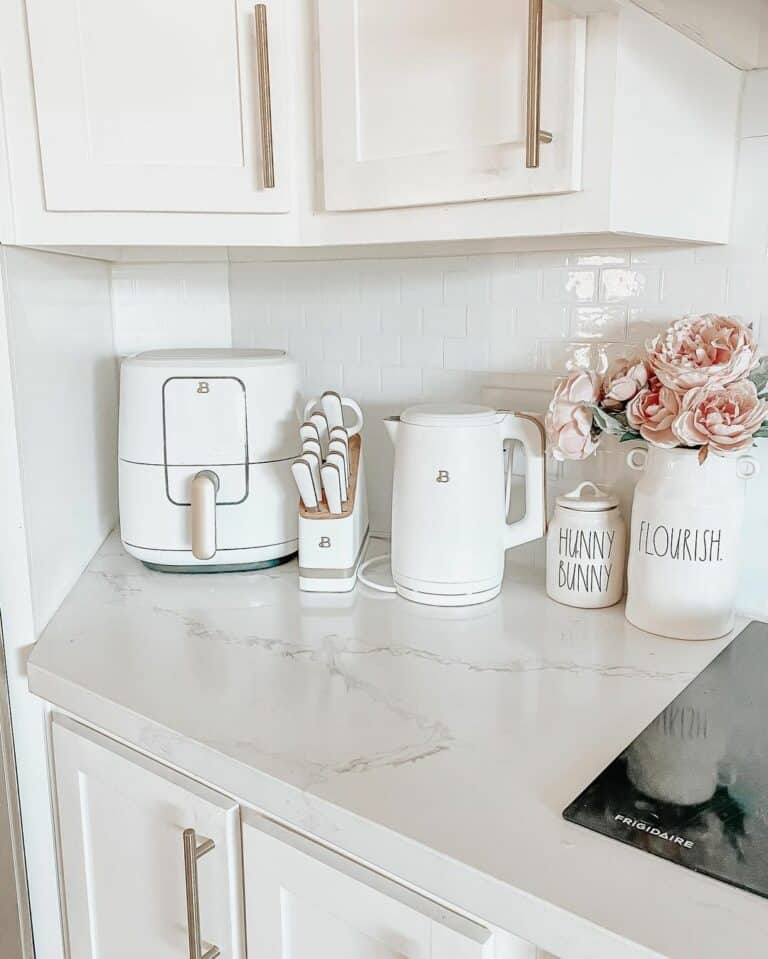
(304, 901)
(426, 102)
(153, 105)
(121, 822)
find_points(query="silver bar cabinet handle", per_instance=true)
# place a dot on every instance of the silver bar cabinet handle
(265, 96)
(534, 135)
(192, 852)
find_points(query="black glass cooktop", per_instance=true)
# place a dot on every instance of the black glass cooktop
(693, 786)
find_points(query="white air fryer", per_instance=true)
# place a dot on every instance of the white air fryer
(206, 443)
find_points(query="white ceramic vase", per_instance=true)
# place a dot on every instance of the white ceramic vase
(685, 541)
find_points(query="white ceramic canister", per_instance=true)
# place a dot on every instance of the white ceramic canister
(586, 549)
(685, 546)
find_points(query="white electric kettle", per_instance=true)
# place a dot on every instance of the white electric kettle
(450, 496)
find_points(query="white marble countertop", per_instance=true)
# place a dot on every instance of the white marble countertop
(440, 745)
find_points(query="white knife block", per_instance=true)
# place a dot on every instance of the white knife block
(332, 545)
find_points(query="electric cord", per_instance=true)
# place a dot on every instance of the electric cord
(374, 561)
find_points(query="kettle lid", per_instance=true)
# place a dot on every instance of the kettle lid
(449, 415)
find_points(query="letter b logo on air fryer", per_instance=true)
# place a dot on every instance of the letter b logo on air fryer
(203, 387)
(443, 476)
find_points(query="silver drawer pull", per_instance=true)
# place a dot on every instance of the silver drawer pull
(534, 135)
(193, 852)
(265, 96)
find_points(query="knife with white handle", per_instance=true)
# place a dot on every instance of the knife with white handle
(337, 459)
(312, 446)
(302, 476)
(321, 425)
(339, 433)
(308, 431)
(331, 405)
(338, 446)
(347, 403)
(314, 464)
(331, 474)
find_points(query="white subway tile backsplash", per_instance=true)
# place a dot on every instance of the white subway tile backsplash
(640, 285)
(599, 322)
(422, 285)
(514, 287)
(425, 352)
(491, 320)
(362, 382)
(341, 347)
(362, 318)
(445, 320)
(401, 385)
(512, 354)
(444, 384)
(382, 349)
(399, 318)
(323, 318)
(645, 322)
(698, 289)
(465, 354)
(599, 258)
(569, 286)
(469, 285)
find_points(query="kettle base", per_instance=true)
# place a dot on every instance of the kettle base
(448, 599)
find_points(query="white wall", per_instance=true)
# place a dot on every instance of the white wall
(58, 408)
(65, 395)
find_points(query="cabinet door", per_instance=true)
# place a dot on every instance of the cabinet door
(154, 105)
(304, 901)
(426, 102)
(121, 821)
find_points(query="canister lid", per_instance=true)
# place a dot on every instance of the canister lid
(588, 497)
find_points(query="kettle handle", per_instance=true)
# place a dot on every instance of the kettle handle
(528, 430)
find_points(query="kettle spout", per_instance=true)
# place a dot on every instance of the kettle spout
(392, 424)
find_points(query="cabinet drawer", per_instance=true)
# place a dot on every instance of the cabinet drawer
(305, 901)
(121, 823)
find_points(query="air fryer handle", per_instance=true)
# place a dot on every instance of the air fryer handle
(528, 430)
(205, 485)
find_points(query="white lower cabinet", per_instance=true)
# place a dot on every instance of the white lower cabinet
(130, 888)
(304, 901)
(121, 823)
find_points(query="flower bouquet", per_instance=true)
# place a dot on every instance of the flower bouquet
(699, 385)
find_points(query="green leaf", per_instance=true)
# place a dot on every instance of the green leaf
(762, 432)
(613, 423)
(759, 376)
(629, 436)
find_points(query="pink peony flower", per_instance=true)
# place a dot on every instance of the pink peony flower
(725, 419)
(699, 351)
(623, 381)
(652, 413)
(569, 419)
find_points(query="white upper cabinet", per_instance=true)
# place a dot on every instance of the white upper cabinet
(130, 888)
(147, 122)
(426, 102)
(155, 105)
